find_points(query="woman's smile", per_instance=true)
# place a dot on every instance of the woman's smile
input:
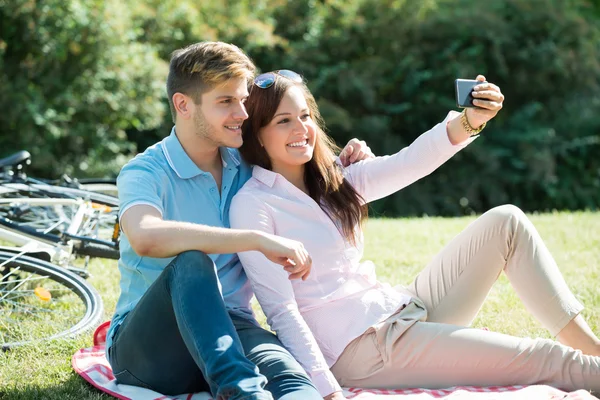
(302, 144)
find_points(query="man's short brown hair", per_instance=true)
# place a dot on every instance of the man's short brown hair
(200, 67)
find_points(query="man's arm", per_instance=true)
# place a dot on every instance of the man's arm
(355, 151)
(151, 236)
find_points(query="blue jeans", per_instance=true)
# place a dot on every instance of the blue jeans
(180, 338)
(286, 379)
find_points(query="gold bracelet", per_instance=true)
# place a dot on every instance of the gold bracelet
(467, 126)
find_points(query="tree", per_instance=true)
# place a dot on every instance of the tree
(383, 70)
(73, 80)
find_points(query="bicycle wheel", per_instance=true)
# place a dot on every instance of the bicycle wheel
(47, 216)
(40, 301)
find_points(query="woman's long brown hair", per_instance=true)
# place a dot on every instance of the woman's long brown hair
(323, 177)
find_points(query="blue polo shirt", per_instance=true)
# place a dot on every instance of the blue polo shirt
(165, 178)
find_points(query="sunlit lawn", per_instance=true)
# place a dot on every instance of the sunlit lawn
(399, 247)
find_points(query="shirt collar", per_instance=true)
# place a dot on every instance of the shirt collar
(228, 156)
(183, 165)
(264, 175)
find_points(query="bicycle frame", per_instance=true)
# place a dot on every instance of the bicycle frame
(58, 190)
(59, 253)
(62, 218)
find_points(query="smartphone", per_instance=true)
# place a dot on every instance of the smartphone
(463, 89)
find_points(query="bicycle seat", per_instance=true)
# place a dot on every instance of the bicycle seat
(20, 157)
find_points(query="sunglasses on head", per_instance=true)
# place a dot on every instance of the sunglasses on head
(267, 79)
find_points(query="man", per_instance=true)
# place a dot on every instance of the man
(183, 322)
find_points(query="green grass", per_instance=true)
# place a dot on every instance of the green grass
(399, 247)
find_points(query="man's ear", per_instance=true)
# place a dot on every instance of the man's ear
(183, 105)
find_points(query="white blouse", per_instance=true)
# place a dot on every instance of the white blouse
(317, 318)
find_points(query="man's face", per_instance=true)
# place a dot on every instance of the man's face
(221, 113)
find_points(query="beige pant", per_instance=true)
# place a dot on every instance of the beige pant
(427, 345)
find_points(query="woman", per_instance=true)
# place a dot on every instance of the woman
(344, 326)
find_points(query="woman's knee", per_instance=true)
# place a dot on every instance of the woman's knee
(507, 211)
(505, 214)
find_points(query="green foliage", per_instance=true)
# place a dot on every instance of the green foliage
(73, 80)
(172, 24)
(82, 86)
(383, 71)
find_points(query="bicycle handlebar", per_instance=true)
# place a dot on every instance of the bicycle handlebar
(96, 250)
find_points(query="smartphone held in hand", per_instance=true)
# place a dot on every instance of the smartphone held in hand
(463, 89)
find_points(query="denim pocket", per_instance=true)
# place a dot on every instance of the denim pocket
(123, 376)
(127, 378)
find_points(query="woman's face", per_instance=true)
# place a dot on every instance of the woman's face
(289, 138)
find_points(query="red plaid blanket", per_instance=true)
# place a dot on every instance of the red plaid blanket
(92, 365)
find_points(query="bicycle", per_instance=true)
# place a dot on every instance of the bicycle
(62, 221)
(14, 171)
(60, 227)
(41, 301)
(40, 297)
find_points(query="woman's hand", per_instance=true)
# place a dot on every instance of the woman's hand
(488, 98)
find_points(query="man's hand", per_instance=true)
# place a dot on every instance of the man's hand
(356, 150)
(335, 396)
(286, 252)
